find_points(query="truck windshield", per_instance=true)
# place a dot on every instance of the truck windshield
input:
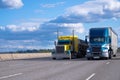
(61, 42)
(97, 39)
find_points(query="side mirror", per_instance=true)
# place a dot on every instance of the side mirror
(55, 43)
(86, 41)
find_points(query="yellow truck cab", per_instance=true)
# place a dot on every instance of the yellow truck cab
(67, 47)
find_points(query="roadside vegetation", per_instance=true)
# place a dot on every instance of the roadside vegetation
(31, 51)
(36, 51)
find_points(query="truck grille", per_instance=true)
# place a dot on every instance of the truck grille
(59, 49)
(96, 49)
(96, 54)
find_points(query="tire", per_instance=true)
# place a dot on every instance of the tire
(54, 58)
(106, 58)
(89, 58)
(110, 55)
(78, 56)
(114, 55)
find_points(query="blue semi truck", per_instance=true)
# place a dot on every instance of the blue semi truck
(102, 43)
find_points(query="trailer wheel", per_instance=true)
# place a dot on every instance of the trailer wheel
(110, 54)
(114, 55)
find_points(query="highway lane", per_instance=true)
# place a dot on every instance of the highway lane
(48, 69)
(110, 71)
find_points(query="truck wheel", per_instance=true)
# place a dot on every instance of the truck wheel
(114, 55)
(54, 58)
(110, 56)
(89, 58)
(106, 58)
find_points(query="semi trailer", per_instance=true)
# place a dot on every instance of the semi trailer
(69, 47)
(102, 43)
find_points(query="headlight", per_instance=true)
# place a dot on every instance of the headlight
(105, 50)
(88, 50)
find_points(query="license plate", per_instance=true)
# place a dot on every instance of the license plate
(96, 57)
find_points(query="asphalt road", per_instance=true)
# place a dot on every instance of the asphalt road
(48, 69)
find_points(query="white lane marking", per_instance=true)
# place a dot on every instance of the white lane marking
(67, 63)
(3, 77)
(108, 63)
(90, 76)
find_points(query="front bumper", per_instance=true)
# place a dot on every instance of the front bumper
(60, 55)
(97, 55)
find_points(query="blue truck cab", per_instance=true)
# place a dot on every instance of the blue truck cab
(102, 43)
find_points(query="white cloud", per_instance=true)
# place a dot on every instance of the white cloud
(14, 45)
(24, 27)
(60, 33)
(91, 11)
(85, 9)
(112, 5)
(2, 28)
(11, 47)
(12, 4)
(39, 20)
(78, 27)
(52, 5)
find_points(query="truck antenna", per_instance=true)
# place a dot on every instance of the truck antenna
(57, 34)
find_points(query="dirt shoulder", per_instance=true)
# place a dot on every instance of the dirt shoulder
(23, 56)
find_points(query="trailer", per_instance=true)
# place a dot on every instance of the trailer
(103, 43)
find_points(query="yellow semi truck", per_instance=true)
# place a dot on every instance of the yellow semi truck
(69, 47)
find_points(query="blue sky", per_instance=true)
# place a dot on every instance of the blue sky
(33, 24)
